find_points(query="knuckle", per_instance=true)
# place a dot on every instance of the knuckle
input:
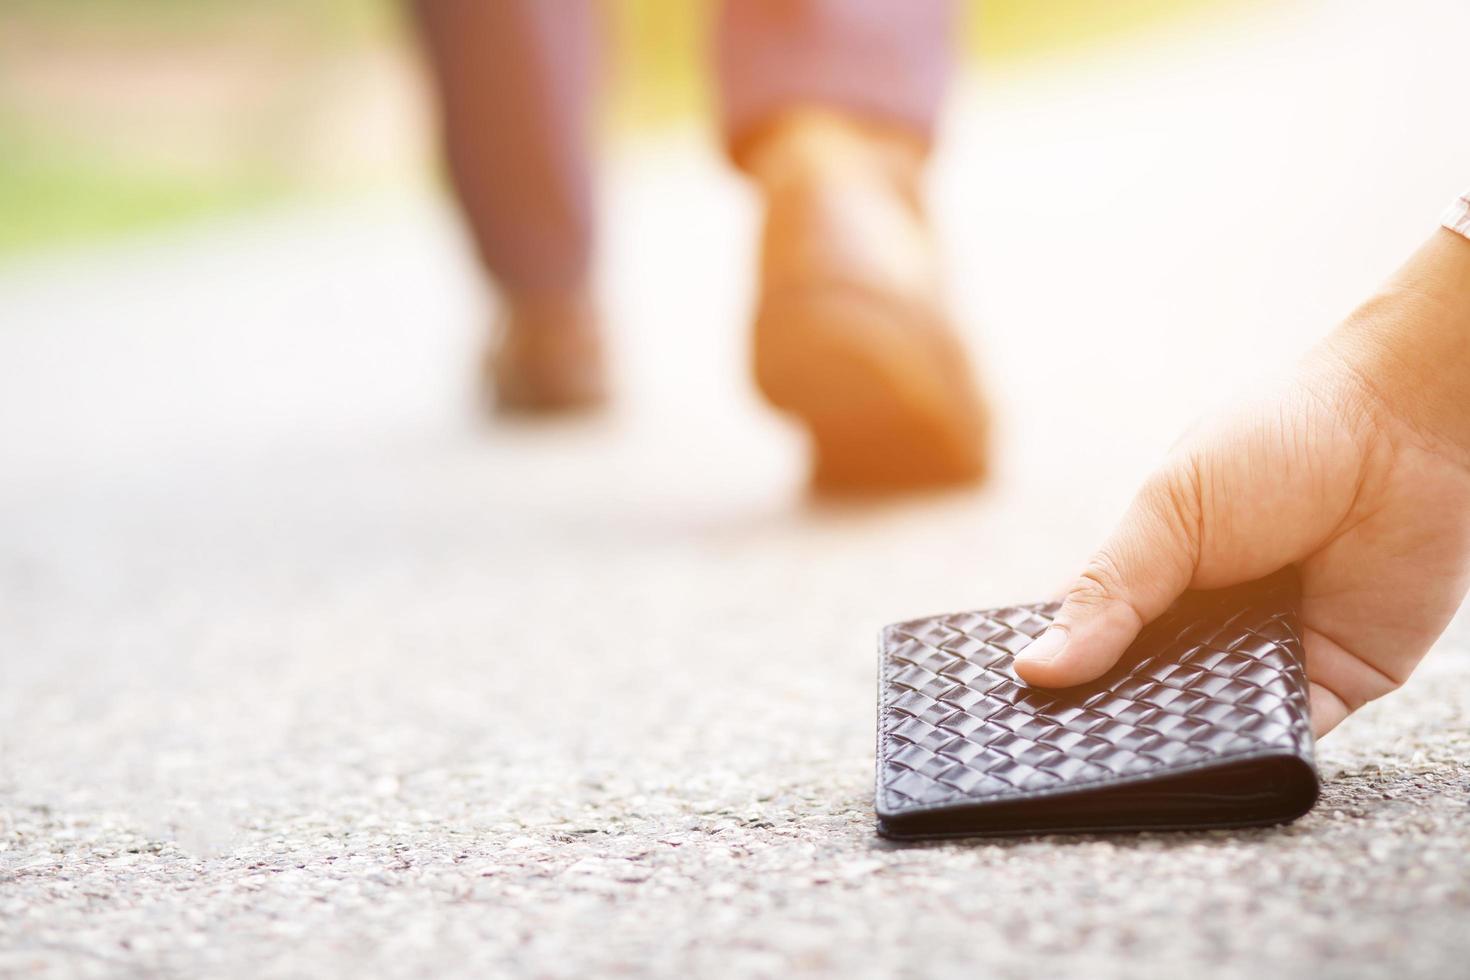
(1374, 686)
(1352, 696)
(1173, 497)
(1097, 584)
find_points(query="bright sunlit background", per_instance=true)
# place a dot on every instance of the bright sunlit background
(224, 222)
(224, 239)
(117, 115)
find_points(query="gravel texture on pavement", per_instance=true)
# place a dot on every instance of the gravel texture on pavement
(613, 757)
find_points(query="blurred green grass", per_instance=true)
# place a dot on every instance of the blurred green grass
(315, 22)
(54, 190)
(95, 160)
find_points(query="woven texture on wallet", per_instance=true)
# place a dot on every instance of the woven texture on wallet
(1202, 723)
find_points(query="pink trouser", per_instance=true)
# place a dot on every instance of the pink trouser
(516, 78)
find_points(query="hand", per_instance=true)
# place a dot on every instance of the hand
(1358, 472)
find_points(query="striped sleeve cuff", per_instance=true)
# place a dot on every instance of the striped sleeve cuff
(1457, 216)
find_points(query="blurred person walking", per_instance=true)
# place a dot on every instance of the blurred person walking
(829, 106)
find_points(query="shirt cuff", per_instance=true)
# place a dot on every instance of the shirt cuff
(1457, 216)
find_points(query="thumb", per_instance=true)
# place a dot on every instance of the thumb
(1142, 568)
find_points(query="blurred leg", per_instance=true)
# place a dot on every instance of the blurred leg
(830, 106)
(514, 79)
(885, 61)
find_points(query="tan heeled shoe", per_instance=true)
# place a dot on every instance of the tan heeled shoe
(850, 333)
(548, 357)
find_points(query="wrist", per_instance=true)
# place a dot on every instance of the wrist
(1408, 347)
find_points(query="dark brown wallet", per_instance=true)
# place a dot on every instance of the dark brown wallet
(1203, 723)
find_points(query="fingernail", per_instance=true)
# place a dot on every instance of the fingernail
(1045, 648)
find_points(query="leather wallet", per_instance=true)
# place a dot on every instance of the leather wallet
(1202, 723)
